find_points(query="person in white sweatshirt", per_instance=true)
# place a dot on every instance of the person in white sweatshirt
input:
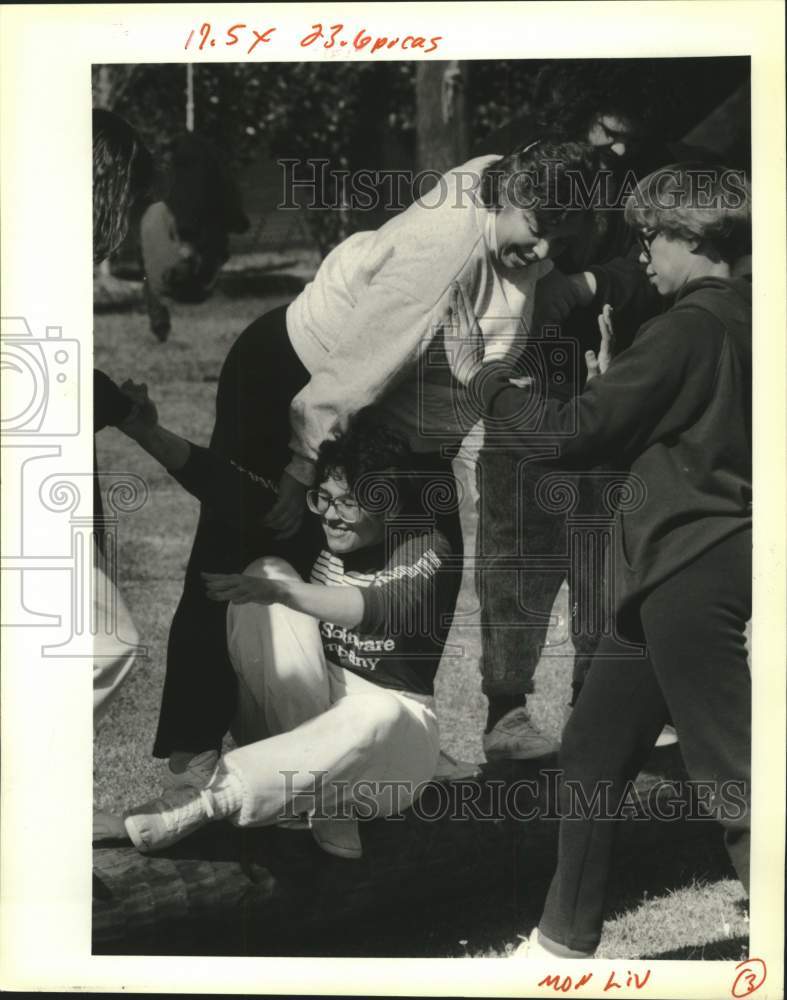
(375, 326)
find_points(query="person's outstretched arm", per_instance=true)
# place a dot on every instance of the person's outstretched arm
(652, 389)
(215, 481)
(341, 605)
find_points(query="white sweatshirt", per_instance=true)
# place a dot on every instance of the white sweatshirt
(374, 325)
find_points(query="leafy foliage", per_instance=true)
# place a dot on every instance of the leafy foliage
(348, 113)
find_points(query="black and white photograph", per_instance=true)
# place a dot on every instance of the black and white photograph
(406, 525)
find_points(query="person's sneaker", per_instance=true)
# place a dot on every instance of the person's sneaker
(515, 737)
(197, 775)
(164, 821)
(299, 822)
(531, 947)
(448, 768)
(339, 837)
(667, 737)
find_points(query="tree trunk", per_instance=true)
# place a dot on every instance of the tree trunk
(442, 133)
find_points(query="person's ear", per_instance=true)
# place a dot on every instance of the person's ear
(701, 248)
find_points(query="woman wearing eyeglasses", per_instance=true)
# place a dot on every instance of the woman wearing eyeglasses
(335, 714)
(674, 410)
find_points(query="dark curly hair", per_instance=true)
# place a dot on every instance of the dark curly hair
(547, 177)
(569, 94)
(375, 461)
(122, 173)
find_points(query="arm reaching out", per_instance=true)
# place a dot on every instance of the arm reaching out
(342, 605)
(215, 481)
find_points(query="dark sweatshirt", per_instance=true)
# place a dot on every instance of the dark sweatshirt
(408, 605)
(675, 411)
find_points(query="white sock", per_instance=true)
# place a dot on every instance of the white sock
(225, 792)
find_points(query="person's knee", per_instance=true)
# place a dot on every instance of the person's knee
(272, 568)
(376, 717)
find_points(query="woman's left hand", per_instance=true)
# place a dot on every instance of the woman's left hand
(597, 365)
(239, 588)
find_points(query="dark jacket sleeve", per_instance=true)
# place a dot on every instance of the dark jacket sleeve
(110, 405)
(623, 284)
(415, 591)
(653, 389)
(218, 483)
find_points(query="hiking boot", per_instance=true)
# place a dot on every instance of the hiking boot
(515, 737)
(448, 768)
(164, 821)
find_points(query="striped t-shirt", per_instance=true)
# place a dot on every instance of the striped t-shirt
(409, 600)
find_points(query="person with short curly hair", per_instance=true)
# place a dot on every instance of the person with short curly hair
(335, 714)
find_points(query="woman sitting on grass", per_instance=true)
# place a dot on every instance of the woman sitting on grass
(675, 410)
(335, 676)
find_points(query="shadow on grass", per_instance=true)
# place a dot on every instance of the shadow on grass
(457, 879)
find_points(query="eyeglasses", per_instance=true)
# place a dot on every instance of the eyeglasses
(346, 506)
(645, 237)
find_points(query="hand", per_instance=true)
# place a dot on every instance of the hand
(598, 365)
(144, 414)
(239, 588)
(557, 295)
(286, 515)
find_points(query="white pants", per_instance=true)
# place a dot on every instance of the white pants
(113, 644)
(314, 737)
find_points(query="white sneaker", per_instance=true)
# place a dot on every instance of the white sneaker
(448, 768)
(197, 774)
(162, 822)
(514, 737)
(339, 837)
(532, 948)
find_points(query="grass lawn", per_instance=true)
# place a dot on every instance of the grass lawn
(674, 894)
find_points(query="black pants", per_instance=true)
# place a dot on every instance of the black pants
(259, 378)
(526, 547)
(696, 671)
